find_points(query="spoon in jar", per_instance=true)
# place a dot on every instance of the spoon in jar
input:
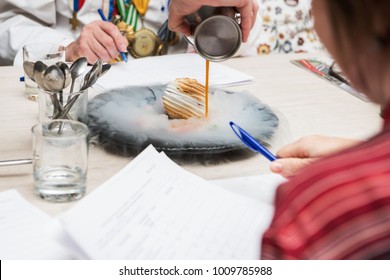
(76, 69)
(28, 67)
(90, 78)
(39, 69)
(67, 74)
(93, 74)
(105, 68)
(53, 80)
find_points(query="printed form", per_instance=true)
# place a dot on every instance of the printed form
(154, 209)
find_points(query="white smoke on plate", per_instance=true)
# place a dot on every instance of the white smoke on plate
(136, 114)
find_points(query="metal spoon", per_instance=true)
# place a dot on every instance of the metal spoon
(89, 79)
(92, 76)
(65, 69)
(28, 67)
(67, 74)
(39, 72)
(105, 68)
(76, 69)
(39, 69)
(54, 78)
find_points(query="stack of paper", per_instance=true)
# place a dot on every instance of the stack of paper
(154, 209)
(161, 70)
(26, 232)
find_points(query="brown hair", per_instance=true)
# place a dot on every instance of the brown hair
(360, 22)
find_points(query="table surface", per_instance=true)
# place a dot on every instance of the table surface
(305, 104)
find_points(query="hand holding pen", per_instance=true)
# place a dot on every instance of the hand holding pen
(123, 55)
(97, 40)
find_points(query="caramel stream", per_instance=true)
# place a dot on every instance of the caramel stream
(207, 89)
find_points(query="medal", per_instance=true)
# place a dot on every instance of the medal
(75, 6)
(145, 43)
(74, 21)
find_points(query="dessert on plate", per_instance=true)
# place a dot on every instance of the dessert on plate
(184, 98)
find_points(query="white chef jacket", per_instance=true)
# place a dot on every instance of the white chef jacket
(27, 21)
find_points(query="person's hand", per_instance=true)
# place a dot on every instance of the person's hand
(293, 157)
(99, 39)
(178, 9)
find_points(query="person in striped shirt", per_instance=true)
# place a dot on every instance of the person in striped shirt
(338, 206)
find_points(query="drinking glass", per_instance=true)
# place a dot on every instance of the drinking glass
(60, 159)
(47, 53)
(64, 105)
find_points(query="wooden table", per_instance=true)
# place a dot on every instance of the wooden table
(305, 104)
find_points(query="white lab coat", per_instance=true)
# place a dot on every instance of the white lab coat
(26, 21)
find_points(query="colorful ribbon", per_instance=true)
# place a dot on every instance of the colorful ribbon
(128, 12)
(109, 9)
(77, 5)
(141, 6)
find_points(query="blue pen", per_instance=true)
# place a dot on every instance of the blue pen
(124, 57)
(251, 142)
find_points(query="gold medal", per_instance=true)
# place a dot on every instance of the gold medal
(75, 6)
(74, 22)
(144, 43)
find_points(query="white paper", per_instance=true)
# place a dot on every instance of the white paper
(161, 70)
(25, 231)
(153, 209)
(260, 187)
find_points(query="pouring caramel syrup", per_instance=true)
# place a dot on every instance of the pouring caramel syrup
(207, 89)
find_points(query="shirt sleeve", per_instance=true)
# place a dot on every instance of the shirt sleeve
(333, 210)
(24, 22)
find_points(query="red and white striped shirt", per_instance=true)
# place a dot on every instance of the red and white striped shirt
(336, 208)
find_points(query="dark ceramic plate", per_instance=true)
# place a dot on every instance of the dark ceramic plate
(125, 121)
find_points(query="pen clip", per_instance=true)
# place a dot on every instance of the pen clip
(251, 142)
(244, 136)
